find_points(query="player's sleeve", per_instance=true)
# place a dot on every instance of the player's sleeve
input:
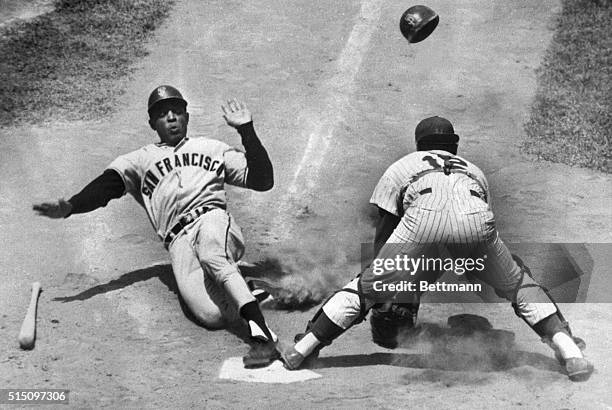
(129, 169)
(235, 167)
(98, 193)
(386, 195)
(253, 168)
(121, 176)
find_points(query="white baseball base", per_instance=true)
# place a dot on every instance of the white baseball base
(233, 369)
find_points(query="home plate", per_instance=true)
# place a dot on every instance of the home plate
(233, 369)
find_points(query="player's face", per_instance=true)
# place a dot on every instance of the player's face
(170, 120)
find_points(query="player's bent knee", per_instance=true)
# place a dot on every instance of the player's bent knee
(211, 320)
(205, 316)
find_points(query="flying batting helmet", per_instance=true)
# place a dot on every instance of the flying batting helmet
(418, 22)
(437, 130)
(163, 93)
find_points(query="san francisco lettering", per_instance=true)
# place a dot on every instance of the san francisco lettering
(163, 167)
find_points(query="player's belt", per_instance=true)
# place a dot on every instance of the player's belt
(185, 220)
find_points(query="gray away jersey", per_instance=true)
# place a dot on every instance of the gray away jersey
(171, 181)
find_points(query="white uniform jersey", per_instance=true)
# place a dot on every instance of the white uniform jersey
(418, 180)
(171, 181)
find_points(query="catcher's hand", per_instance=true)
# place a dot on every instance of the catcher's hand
(55, 210)
(236, 113)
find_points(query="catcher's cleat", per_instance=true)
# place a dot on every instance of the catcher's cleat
(292, 359)
(578, 369)
(262, 353)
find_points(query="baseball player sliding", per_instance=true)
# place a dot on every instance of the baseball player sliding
(434, 203)
(180, 183)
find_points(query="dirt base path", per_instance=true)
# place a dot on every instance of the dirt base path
(336, 93)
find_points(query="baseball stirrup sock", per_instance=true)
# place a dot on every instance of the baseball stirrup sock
(566, 345)
(257, 324)
(307, 344)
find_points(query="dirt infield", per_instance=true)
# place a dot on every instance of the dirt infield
(336, 93)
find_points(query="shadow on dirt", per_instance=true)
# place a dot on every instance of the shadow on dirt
(436, 361)
(162, 272)
(467, 345)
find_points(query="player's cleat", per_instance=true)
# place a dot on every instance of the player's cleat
(578, 369)
(292, 359)
(262, 353)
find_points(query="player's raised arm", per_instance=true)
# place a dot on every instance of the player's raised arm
(95, 195)
(260, 176)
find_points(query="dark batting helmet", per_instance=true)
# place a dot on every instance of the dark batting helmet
(418, 22)
(163, 93)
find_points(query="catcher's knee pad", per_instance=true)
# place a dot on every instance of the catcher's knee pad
(387, 320)
(339, 312)
(511, 295)
(347, 306)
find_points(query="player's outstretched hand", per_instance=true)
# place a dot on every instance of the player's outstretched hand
(59, 209)
(236, 113)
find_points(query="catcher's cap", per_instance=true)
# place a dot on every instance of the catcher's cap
(163, 93)
(436, 129)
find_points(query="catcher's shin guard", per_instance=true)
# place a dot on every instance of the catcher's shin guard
(549, 326)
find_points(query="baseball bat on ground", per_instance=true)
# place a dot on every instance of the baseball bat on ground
(27, 334)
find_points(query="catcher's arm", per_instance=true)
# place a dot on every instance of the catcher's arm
(95, 195)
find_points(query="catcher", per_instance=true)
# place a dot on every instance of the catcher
(434, 204)
(180, 183)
